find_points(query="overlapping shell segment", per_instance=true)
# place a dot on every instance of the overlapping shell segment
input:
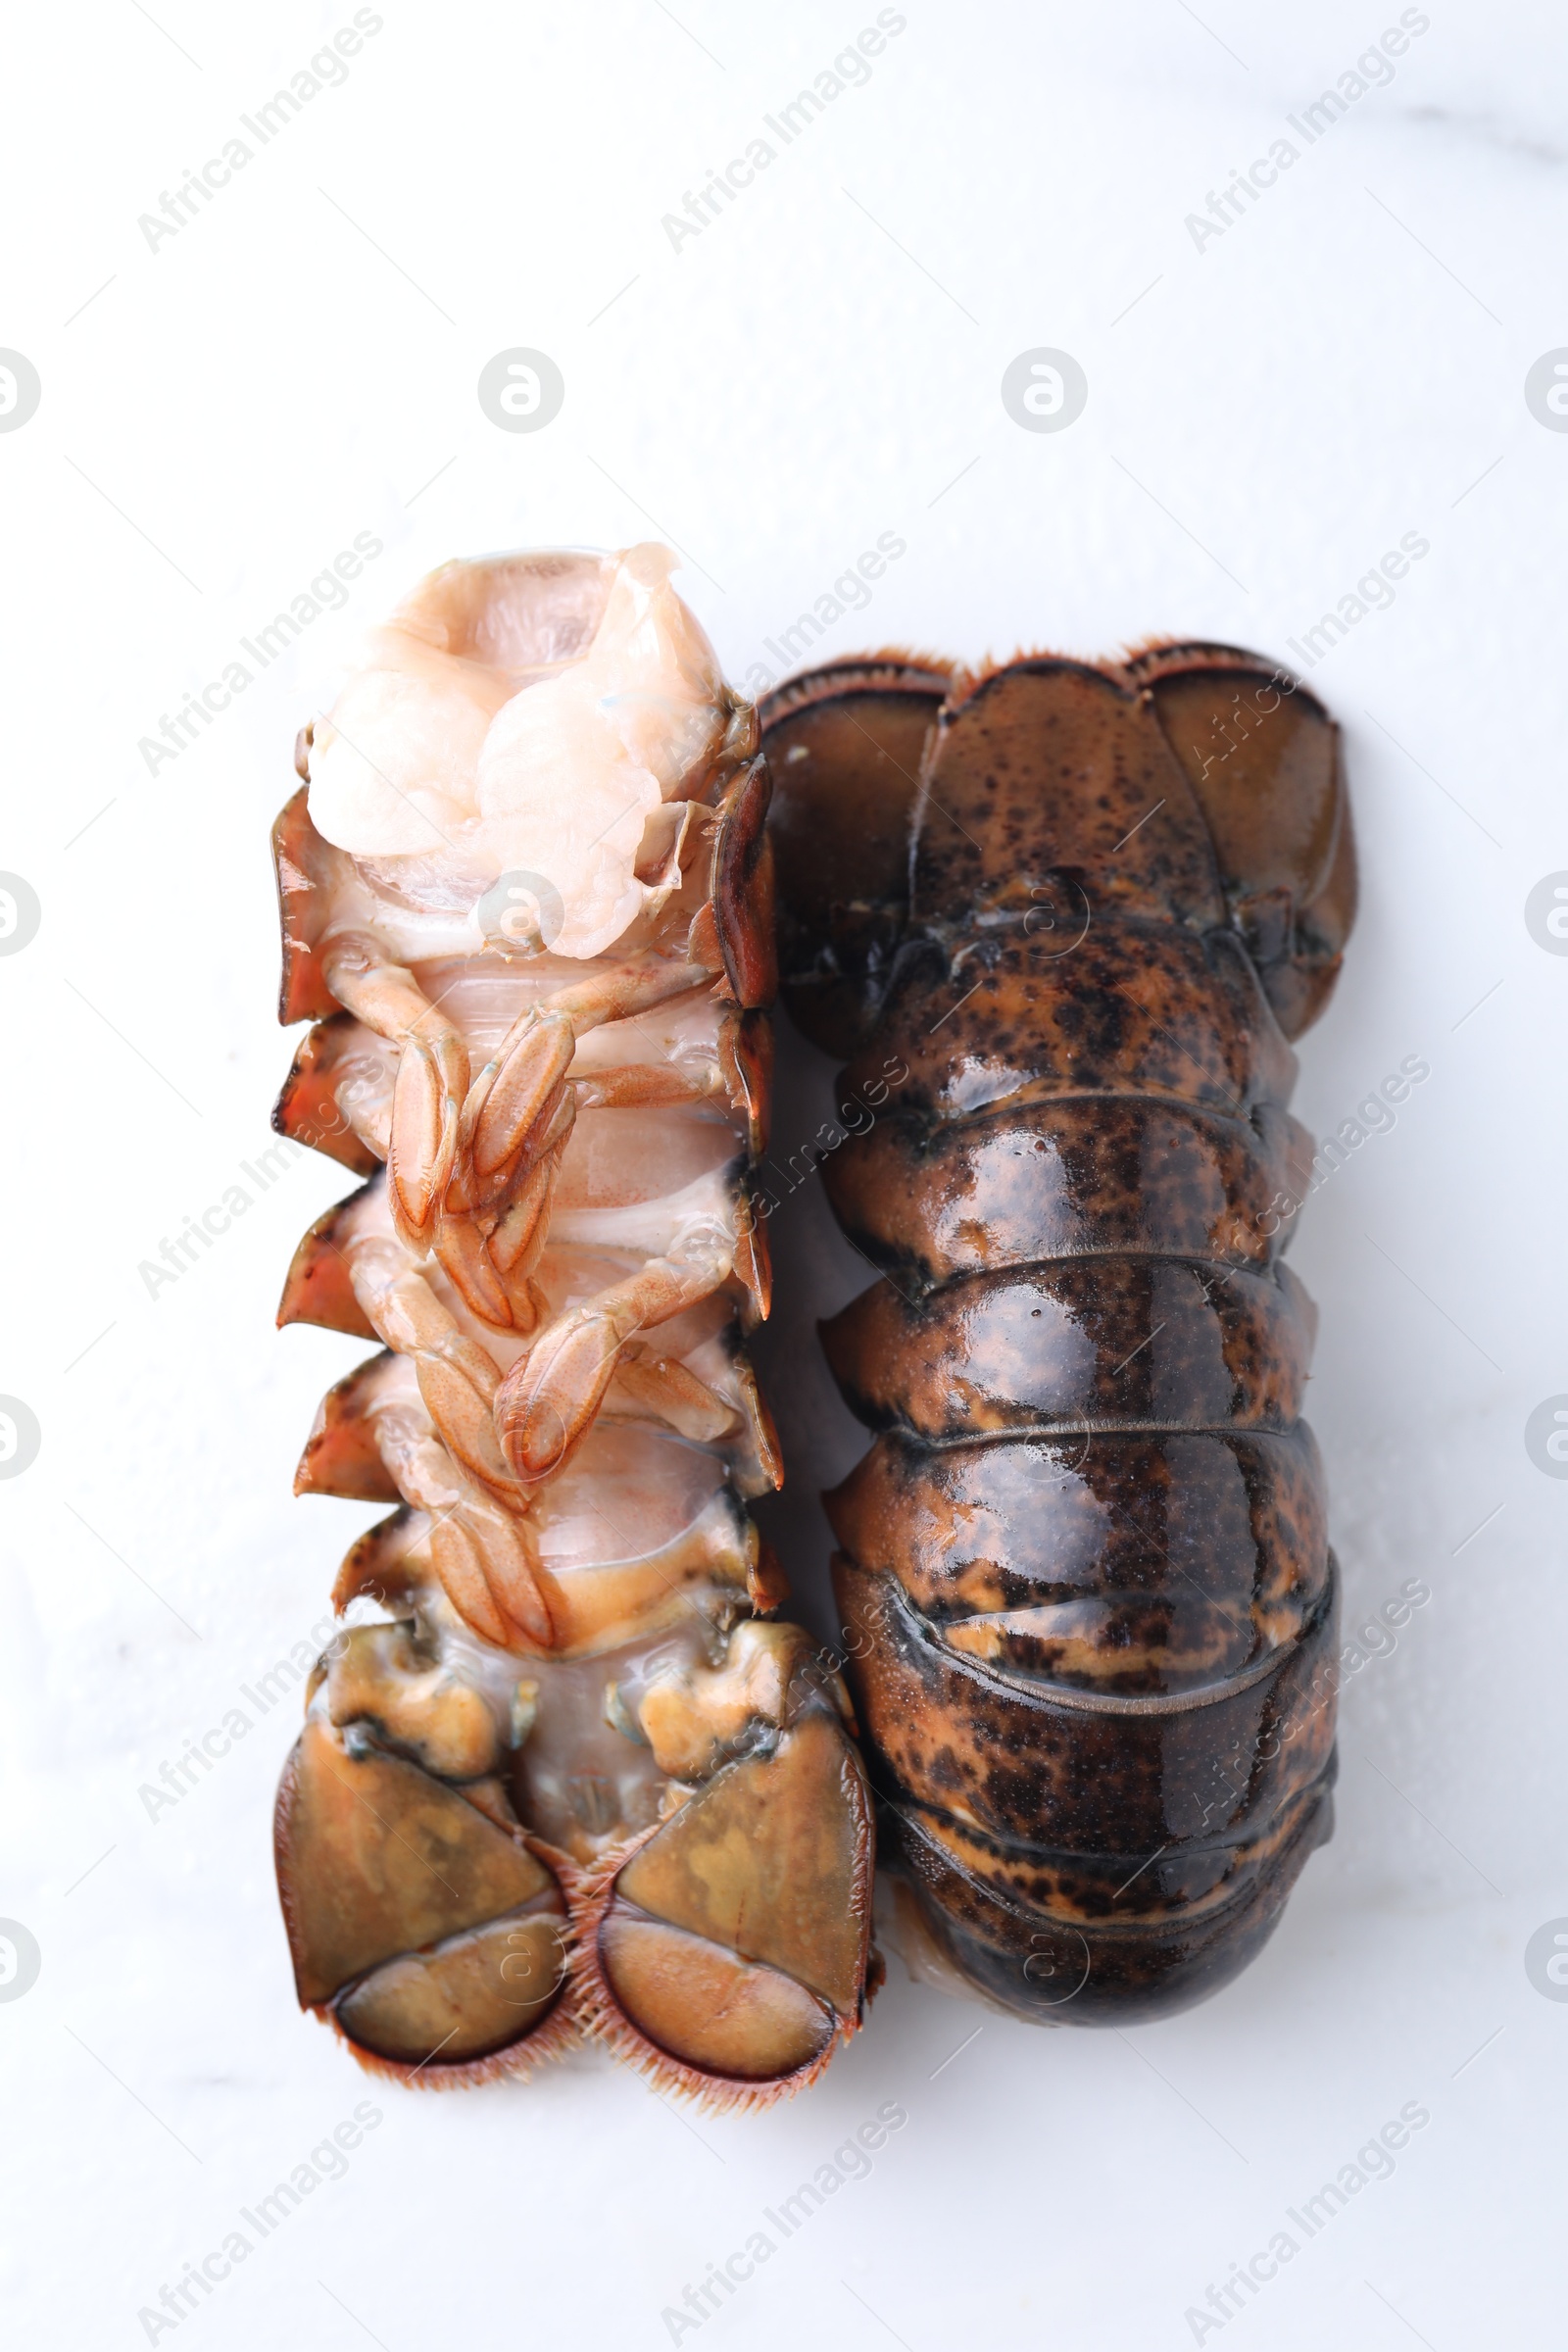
(566, 1769)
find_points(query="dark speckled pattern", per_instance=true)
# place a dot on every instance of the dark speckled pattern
(1085, 1581)
(1078, 1343)
(1131, 1004)
(1095, 1176)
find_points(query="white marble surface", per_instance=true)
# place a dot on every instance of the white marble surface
(1266, 414)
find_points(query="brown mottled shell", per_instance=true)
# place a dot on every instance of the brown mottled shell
(1085, 1581)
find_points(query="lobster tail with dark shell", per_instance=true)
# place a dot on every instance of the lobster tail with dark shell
(1084, 1573)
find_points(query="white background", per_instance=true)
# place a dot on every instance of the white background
(1265, 417)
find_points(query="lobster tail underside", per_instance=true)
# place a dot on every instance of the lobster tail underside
(566, 1771)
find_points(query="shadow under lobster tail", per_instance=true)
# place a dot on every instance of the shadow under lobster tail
(1084, 1575)
(424, 1924)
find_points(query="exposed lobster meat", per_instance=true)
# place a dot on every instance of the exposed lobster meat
(1084, 1579)
(567, 1771)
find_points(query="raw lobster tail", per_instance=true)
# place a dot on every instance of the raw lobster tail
(1083, 1578)
(566, 1770)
